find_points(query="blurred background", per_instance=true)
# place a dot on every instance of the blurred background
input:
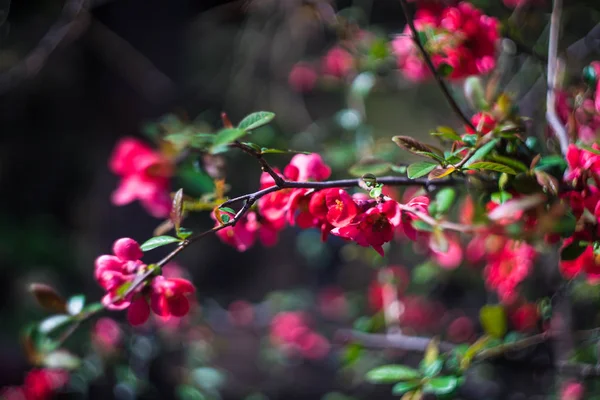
(76, 76)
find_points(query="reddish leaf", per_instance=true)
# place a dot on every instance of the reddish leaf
(48, 298)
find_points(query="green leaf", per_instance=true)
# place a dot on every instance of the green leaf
(75, 304)
(392, 373)
(511, 162)
(492, 166)
(440, 173)
(51, 323)
(184, 233)
(376, 191)
(375, 167)
(226, 136)
(552, 161)
(227, 210)
(441, 385)
(470, 139)
(266, 150)
(445, 132)
(93, 308)
(482, 151)
(61, 359)
(202, 140)
(402, 387)
(573, 250)
(399, 169)
(501, 197)
(493, 320)
(419, 169)
(422, 226)
(431, 369)
(256, 120)
(445, 69)
(176, 214)
(188, 392)
(158, 241)
(444, 199)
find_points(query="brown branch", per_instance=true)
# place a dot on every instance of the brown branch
(437, 76)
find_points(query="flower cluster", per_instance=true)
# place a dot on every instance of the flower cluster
(460, 39)
(116, 274)
(291, 332)
(579, 109)
(145, 175)
(39, 384)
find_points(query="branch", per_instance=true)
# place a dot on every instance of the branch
(557, 127)
(392, 341)
(438, 78)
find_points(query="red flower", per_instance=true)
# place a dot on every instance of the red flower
(373, 227)
(341, 208)
(106, 334)
(169, 296)
(311, 167)
(483, 122)
(291, 332)
(452, 257)
(145, 176)
(40, 384)
(581, 162)
(587, 263)
(243, 235)
(508, 267)
(525, 317)
(302, 77)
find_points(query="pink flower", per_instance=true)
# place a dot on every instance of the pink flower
(338, 63)
(459, 37)
(400, 281)
(302, 77)
(581, 162)
(311, 167)
(291, 332)
(243, 235)
(145, 176)
(106, 334)
(587, 263)
(452, 257)
(572, 390)
(373, 227)
(341, 208)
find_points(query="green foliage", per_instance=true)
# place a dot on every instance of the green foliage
(226, 136)
(491, 166)
(158, 241)
(255, 120)
(419, 169)
(392, 373)
(483, 151)
(493, 320)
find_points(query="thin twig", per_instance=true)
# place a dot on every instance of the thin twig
(557, 127)
(437, 76)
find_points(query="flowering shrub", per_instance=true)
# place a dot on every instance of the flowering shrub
(486, 202)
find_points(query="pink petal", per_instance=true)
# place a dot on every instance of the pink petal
(138, 311)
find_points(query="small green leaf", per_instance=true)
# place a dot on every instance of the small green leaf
(431, 369)
(440, 173)
(402, 387)
(93, 308)
(501, 197)
(419, 169)
(470, 139)
(75, 304)
(371, 166)
(392, 373)
(444, 199)
(573, 250)
(422, 226)
(188, 392)
(176, 214)
(445, 132)
(482, 151)
(256, 120)
(492, 166)
(53, 322)
(376, 191)
(445, 69)
(511, 162)
(226, 136)
(184, 233)
(399, 169)
(61, 359)
(441, 385)
(552, 161)
(158, 241)
(493, 320)
(227, 210)
(266, 150)
(414, 146)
